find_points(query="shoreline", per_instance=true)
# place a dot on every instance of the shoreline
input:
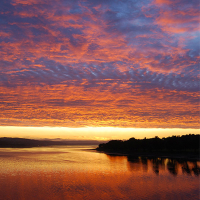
(181, 156)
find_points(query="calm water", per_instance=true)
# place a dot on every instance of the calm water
(78, 173)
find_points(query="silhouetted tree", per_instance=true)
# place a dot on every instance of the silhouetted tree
(177, 144)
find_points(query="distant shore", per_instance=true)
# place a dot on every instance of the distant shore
(6, 142)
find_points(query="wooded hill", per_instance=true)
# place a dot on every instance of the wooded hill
(175, 144)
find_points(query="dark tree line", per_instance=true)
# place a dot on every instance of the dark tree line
(175, 144)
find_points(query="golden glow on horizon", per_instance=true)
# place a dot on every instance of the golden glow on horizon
(91, 133)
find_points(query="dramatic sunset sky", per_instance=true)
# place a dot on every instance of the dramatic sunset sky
(99, 69)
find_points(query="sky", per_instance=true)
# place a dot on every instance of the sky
(99, 63)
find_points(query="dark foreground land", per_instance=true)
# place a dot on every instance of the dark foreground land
(186, 147)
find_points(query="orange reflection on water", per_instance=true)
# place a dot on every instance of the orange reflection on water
(72, 173)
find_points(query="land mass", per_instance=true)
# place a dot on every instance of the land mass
(6, 142)
(185, 146)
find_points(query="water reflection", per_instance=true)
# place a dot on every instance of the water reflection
(173, 166)
(71, 173)
(157, 162)
(186, 168)
(134, 163)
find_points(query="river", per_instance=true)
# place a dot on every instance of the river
(77, 172)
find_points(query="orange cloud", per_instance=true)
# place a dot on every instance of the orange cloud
(74, 106)
(90, 64)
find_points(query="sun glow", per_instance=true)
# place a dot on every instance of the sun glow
(91, 133)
